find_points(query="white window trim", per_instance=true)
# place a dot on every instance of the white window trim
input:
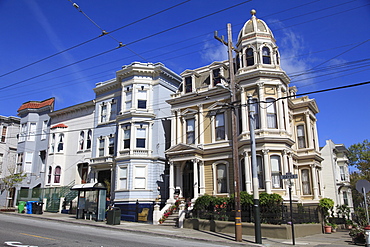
(134, 135)
(215, 184)
(44, 129)
(145, 177)
(213, 124)
(120, 177)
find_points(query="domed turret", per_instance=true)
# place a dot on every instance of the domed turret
(256, 44)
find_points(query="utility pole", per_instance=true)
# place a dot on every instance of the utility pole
(256, 199)
(238, 220)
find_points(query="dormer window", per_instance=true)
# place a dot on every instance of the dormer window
(216, 76)
(250, 57)
(266, 57)
(188, 84)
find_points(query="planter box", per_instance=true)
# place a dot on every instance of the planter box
(268, 231)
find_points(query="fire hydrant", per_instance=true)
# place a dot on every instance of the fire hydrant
(367, 235)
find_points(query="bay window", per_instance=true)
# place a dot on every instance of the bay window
(271, 113)
(276, 171)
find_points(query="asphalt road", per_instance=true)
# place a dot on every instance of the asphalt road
(31, 232)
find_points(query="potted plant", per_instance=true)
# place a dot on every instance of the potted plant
(334, 227)
(349, 224)
(325, 205)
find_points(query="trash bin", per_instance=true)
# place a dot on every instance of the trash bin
(114, 216)
(37, 207)
(21, 205)
(29, 207)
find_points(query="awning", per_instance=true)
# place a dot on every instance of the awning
(89, 186)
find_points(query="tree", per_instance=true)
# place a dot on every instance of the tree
(359, 157)
(12, 180)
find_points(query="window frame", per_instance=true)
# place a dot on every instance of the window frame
(301, 139)
(266, 57)
(271, 114)
(216, 179)
(188, 84)
(123, 178)
(306, 182)
(276, 174)
(126, 138)
(141, 140)
(142, 178)
(190, 134)
(220, 128)
(57, 175)
(249, 59)
(101, 147)
(44, 129)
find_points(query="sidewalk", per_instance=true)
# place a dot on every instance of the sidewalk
(338, 239)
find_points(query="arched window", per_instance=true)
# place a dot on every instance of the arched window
(57, 175)
(221, 178)
(306, 185)
(61, 143)
(301, 136)
(266, 57)
(255, 109)
(82, 140)
(52, 143)
(249, 56)
(88, 142)
(271, 114)
(277, 58)
(49, 174)
(275, 171)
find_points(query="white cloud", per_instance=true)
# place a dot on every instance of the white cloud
(213, 51)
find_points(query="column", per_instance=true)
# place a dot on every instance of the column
(173, 128)
(308, 130)
(287, 117)
(172, 184)
(243, 110)
(314, 182)
(280, 111)
(286, 167)
(179, 127)
(196, 181)
(316, 135)
(248, 173)
(267, 170)
(202, 178)
(201, 124)
(196, 129)
(261, 110)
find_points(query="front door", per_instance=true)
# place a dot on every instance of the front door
(188, 181)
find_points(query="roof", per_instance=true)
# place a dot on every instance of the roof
(61, 125)
(36, 104)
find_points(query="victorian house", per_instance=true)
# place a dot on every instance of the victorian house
(9, 130)
(32, 144)
(336, 180)
(200, 156)
(132, 132)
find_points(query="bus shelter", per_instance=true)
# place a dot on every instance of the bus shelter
(91, 201)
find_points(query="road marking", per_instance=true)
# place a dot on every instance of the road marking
(18, 244)
(36, 236)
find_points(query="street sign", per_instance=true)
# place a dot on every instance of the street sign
(363, 185)
(289, 175)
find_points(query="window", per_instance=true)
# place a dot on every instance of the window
(111, 146)
(88, 142)
(103, 113)
(140, 137)
(141, 99)
(126, 136)
(271, 114)
(243, 186)
(140, 177)
(82, 140)
(220, 126)
(190, 131)
(261, 179)
(301, 136)
(49, 175)
(250, 57)
(101, 147)
(306, 186)
(113, 110)
(276, 172)
(216, 76)
(221, 178)
(342, 173)
(52, 143)
(28, 162)
(123, 178)
(44, 129)
(345, 198)
(57, 172)
(266, 58)
(23, 134)
(128, 100)
(255, 111)
(43, 159)
(277, 58)
(31, 132)
(188, 84)
(61, 143)
(3, 134)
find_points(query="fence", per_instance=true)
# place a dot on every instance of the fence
(270, 214)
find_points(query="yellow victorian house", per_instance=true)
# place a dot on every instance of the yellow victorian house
(200, 156)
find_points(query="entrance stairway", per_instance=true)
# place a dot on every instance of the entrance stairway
(171, 220)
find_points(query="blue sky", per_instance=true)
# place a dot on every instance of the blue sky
(325, 42)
